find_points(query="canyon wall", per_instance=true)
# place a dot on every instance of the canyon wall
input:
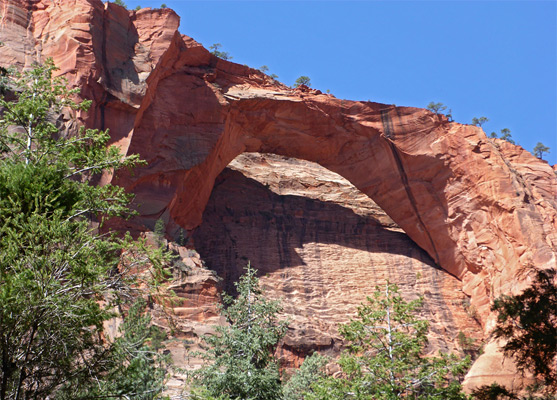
(483, 210)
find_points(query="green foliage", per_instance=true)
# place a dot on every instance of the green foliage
(479, 121)
(493, 392)
(469, 345)
(135, 369)
(303, 80)
(240, 360)
(120, 3)
(181, 240)
(385, 358)
(160, 230)
(498, 392)
(221, 54)
(59, 278)
(137, 8)
(309, 372)
(437, 108)
(265, 69)
(540, 149)
(506, 135)
(163, 6)
(529, 323)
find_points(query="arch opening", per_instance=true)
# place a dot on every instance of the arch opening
(321, 246)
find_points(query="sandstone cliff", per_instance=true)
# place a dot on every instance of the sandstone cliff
(484, 211)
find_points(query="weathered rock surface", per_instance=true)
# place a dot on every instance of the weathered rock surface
(321, 246)
(484, 211)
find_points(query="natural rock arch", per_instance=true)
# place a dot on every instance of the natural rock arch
(448, 186)
(485, 210)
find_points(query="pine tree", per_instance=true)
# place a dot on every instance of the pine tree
(160, 231)
(540, 149)
(59, 278)
(134, 370)
(437, 108)
(506, 135)
(479, 121)
(241, 364)
(303, 80)
(528, 322)
(215, 50)
(309, 372)
(385, 360)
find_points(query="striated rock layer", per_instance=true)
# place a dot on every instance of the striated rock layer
(484, 211)
(321, 246)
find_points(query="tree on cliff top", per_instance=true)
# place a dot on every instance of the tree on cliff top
(59, 278)
(120, 3)
(540, 149)
(385, 357)
(303, 80)
(437, 108)
(505, 135)
(215, 50)
(479, 121)
(241, 364)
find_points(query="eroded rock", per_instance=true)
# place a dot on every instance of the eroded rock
(484, 211)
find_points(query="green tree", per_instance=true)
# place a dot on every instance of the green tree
(240, 360)
(528, 323)
(437, 108)
(493, 392)
(303, 80)
(265, 69)
(384, 359)
(181, 239)
(163, 6)
(479, 121)
(540, 149)
(506, 135)
(160, 231)
(120, 3)
(309, 372)
(221, 54)
(135, 370)
(60, 279)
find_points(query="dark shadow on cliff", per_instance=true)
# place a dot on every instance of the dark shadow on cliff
(244, 220)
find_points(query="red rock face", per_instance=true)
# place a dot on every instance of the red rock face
(321, 246)
(484, 211)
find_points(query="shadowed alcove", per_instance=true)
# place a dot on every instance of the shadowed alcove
(320, 246)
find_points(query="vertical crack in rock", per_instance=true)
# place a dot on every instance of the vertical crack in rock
(389, 135)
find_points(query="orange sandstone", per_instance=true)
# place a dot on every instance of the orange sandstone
(485, 211)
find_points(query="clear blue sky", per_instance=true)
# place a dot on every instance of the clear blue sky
(496, 59)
